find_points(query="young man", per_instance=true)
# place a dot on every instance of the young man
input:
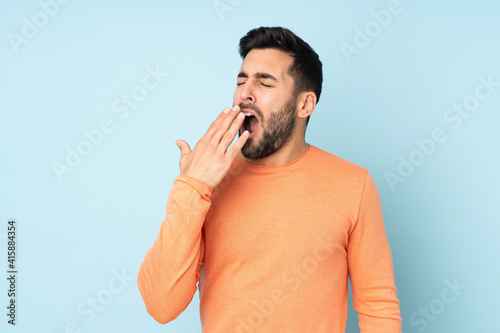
(271, 227)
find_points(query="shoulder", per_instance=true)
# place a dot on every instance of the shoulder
(343, 181)
(327, 163)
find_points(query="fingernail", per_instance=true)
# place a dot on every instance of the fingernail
(226, 110)
(235, 108)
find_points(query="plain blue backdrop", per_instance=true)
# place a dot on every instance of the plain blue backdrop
(94, 95)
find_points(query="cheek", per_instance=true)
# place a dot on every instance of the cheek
(236, 99)
(273, 103)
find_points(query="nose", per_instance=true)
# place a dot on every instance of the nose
(246, 93)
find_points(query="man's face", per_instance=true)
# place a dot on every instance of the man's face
(265, 88)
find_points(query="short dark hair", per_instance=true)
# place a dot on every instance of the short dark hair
(306, 70)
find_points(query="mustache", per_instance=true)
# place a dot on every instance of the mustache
(252, 107)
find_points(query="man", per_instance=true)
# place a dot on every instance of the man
(271, 227)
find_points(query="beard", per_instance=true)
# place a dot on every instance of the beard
(276, 131)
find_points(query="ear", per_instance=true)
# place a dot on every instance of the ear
(306, 102)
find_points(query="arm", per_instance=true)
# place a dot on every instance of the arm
(370, 267)
(168, 276)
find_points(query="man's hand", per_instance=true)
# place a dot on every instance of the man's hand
(210, 159)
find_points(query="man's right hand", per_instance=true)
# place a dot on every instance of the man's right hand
(211, 159)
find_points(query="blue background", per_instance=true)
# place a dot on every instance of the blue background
(77, 231)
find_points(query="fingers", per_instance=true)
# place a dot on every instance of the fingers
(222, 131)
(236, 147)
(231, 133)
(215, 124)
(183, 146)
(231, 116)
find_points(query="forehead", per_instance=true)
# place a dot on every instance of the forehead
(271, 61)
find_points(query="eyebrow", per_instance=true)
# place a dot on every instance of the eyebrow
(258, 75)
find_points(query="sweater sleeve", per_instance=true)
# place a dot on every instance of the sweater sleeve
(370, 267)
(168, 275)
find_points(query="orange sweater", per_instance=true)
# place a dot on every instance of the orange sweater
(272, 247)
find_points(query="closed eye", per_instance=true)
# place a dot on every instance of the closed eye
(263, 84)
